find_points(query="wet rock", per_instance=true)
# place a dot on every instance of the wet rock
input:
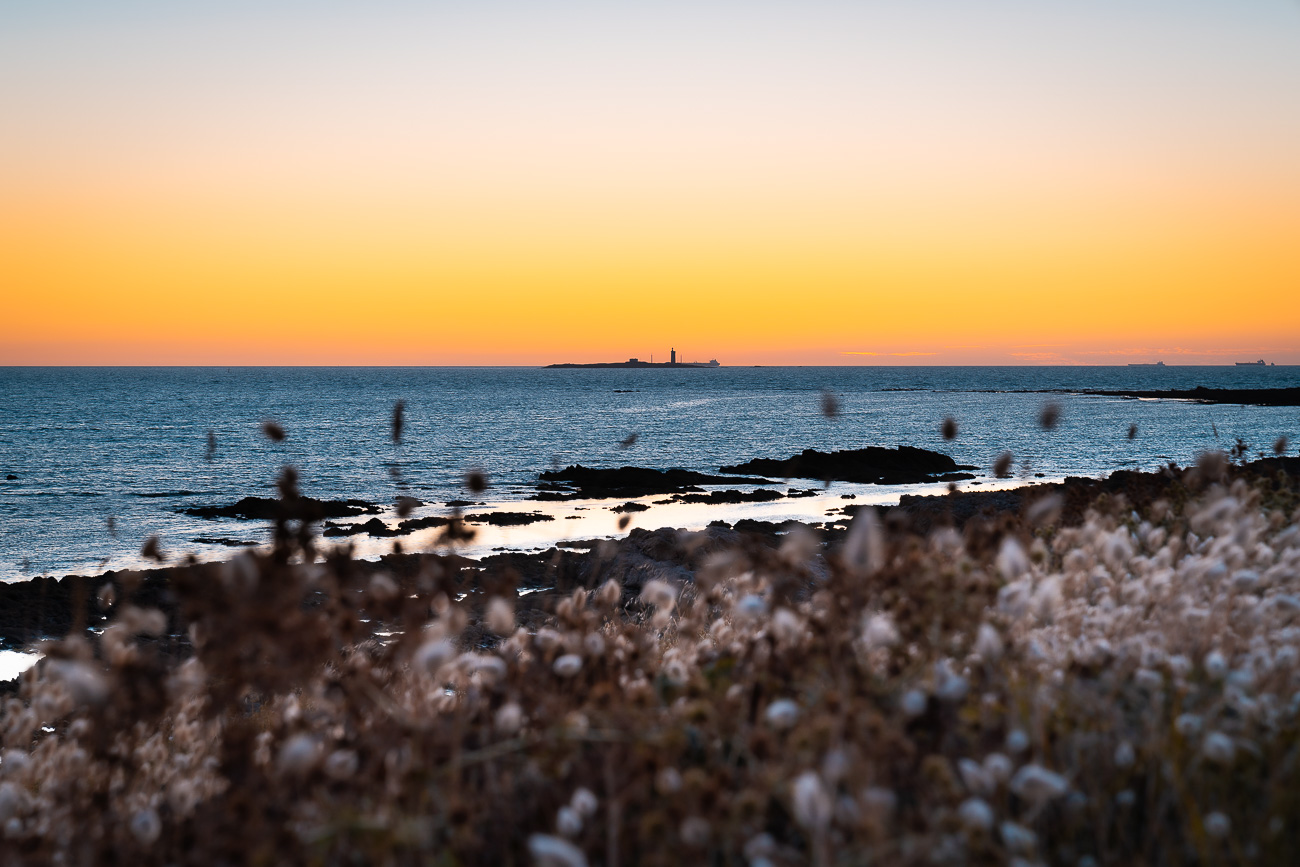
(631, 507)
(872, 465)
(627, 482)
(268, 509)
(507, 519)
(762, 495)
(1251, 396)
(219, 540)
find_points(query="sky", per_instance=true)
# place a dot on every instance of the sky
(930, 182)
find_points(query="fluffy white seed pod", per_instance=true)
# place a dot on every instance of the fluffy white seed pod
(341, 764)
(913, 703)
(585, 802)
(782, 714)
(749, 607)
(1218, 825)
(10, 798)
(1038, 785)
(1017, 837)
(298, 754)
(609, 594)
(998, 767)
(433, 655)
(548, 851)
(1017, 741)
(975, 814)
(1125, 756)
(661, 594)
(568, 665)
(695, 832)
(668, 781)
(1216, 666)
(949, 686)
(988, 643)
(787, 627)
(976, 778)
(593, 644)
(568, 822)
(1012, 561)
(145, 825)
(509, 718)
(812, 803)
(864, 549)
(500, 616)
(1219, 748)
(878, 630)
(84, 682)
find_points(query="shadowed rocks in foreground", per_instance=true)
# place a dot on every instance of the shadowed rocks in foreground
(579, 482)
(872, 465)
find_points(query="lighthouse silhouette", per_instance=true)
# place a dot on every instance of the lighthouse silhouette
(673, 356)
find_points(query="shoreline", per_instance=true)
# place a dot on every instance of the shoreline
(46, 607)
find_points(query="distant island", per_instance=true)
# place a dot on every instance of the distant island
(636, 362)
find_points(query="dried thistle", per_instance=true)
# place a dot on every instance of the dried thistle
(274, 432)
(152, 550)
(1049, 415)
(949, 428)
(830, 403)
(399, 410)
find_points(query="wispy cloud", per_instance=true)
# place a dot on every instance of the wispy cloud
(889, 354)
(1182, 351)
(1039, 356)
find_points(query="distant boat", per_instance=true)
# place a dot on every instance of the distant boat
(1154, 364)
(1259, 363)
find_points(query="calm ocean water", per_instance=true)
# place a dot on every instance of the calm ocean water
(87, 444)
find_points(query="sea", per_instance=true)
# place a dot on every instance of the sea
(95, 460)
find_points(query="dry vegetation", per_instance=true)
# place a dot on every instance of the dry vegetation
(1122, 691)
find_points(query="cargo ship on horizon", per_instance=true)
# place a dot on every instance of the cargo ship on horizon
(636, 362)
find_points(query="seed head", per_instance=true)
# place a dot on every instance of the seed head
(399, 413)
(830, 404)
(812, 803)
(1049, 415)
(568, 665)
(273, 431)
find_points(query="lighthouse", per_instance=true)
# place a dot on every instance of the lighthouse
(673, 356)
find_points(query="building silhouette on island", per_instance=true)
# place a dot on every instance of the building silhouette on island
(636, 362)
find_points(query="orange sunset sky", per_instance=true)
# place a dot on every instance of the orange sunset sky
(935, 182)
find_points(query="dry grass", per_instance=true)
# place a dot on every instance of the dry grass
(1123, 691)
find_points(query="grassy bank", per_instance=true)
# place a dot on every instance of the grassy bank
(1116, 681)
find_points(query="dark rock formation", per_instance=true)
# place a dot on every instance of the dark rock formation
(507, 519)
(1252, 396)
(762, 495)
(218, 540)
(872, 465)
(627, 482)
(267, 509)
(631, 507)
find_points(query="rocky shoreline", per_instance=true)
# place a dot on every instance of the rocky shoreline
(48, 607)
